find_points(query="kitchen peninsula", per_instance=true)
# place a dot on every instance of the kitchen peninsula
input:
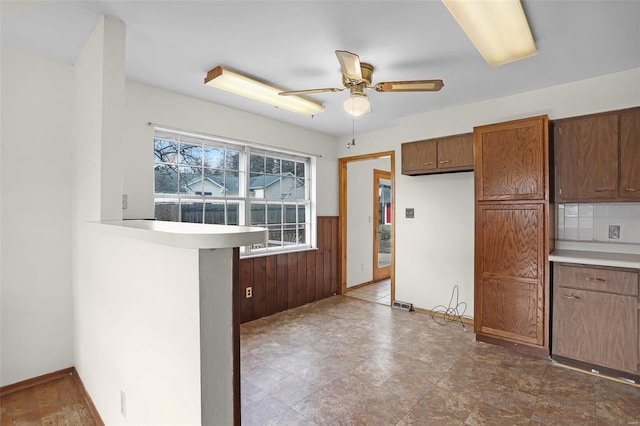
(160, 320)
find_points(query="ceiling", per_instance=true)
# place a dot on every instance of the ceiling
(172, 45)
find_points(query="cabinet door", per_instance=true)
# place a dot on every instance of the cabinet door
(512, 160)
(630, 154)
(510, 272)
(456, 152)
(418, 157)
(587, 158)
(597, 328)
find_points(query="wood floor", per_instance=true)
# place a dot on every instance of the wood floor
(59, 401)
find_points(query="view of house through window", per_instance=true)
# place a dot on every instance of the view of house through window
(209, 180)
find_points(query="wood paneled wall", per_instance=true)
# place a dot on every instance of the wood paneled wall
(286, 281)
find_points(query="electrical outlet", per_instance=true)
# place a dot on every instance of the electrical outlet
(409, 213)
(249, 292)
(614, 232)
(123, 404)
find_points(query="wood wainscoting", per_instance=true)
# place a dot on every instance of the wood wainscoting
(286, 281)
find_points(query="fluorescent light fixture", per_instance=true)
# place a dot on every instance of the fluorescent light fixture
(497, 28)
(242, 85)
(357, 104)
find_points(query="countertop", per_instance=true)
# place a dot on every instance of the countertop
(620, 260)
(185, 235)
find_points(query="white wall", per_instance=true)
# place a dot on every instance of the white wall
(434, 251)
(146, 104)
(360, 219)
(36, 314)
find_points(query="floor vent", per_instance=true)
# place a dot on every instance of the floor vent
(402, 305)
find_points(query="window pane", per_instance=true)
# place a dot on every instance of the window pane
(275, 236)
(272, 187)
(191, 211)
(166, 210)
(231, 182)
(302, 213)
(289, 235)
(166, 179)
(190, 180)
(233, 213)
(288, 166)
(214, 182)
(290, 213)
(256, 185)
(191, 154)
(300, 170)
(165, 151)
(213, 157)
(232, 160)
(301, 189)
(289, 184)
(256, 163)
(272, 166)
(274, 214)
(302, 233)
(258, 214)
(214, 213)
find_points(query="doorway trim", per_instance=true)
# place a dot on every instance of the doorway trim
(342, 211)
(384, 272)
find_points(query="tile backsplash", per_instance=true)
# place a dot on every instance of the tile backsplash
(591, 221)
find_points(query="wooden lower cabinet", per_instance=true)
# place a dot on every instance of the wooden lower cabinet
(510, 273)
(595, 316)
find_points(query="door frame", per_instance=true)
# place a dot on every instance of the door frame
(342, 211)
(385, 271)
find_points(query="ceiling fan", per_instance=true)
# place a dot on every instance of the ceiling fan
(357, 76)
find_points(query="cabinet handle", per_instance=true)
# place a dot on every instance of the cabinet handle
(632, 189)
(444, 161)
(570, 296)
(604, 190)
(428, 163)
(602, 280)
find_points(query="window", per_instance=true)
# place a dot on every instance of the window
(211, 180)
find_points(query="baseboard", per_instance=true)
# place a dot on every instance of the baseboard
(29, 383)
(56, 375)
(354, 287)
(441, 315)
(87, 399)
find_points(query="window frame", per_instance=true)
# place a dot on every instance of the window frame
(243, 198)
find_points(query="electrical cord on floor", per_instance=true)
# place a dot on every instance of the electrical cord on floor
(443, 315)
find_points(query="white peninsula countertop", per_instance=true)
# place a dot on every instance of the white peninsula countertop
(597, 254)
(186, 235)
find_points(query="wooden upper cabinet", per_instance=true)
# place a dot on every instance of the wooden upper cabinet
(630, 154)
(419, 157)
(511, 160)
(586, 151)
(439, 155)
(455, 152)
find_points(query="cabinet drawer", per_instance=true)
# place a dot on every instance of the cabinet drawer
(597, 279)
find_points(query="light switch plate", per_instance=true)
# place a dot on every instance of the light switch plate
(614, 232)
(409, 213)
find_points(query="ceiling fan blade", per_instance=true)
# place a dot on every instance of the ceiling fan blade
(350, 64)
(309, 91)
(410, 86)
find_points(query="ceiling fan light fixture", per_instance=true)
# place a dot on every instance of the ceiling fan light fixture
(357, 104)
(248, 87)
(498, 29)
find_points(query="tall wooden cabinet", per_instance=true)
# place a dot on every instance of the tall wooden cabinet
(513, 233)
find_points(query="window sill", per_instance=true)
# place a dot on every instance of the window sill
(275, 253)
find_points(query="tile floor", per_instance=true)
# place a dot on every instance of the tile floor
(344, 361)
(378, 292)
